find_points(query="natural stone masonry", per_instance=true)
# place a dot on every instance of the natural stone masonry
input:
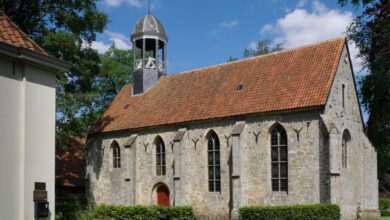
(354, 188)
(177, 166)
(315, 173)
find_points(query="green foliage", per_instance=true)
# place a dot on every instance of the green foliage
(101, 81)
(262, 47)
(38, 17)
(115, 72)
(384, 207)
(371, 33)
(230, 59)
(68, 207)
(294, 212)
(385, 213)
(63, 29)
(137, 213)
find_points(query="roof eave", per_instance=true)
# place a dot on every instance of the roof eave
(140, 35)
(318, 108)
(26, 55)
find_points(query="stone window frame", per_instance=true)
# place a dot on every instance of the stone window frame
(213, 162)
(116, 155)
(345, 142)
(160, 156)
(279, 158)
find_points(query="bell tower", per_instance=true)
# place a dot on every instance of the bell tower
(149, 47)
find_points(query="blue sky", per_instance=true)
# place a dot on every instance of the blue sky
(207, 32)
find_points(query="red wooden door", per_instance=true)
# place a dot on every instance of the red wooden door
(162, 196)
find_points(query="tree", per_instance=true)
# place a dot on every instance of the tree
(63, 29)
(115, 72)
(231, 59)
(263, 46)
(371, 33)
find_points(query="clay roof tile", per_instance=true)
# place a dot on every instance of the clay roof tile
(11, 34)
(290, 79)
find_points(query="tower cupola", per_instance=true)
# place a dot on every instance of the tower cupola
(149, 41)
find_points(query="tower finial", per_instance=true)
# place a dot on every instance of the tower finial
(148, 7)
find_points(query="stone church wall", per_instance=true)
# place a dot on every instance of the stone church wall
(124, 186)
(356, 187)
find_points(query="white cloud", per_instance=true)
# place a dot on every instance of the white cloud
(120, 41)
(224, 26)
(319, 7)
(301, 26)
(215, 33)
(230, 24)
(301, 3)
(116, 3)
(267, 29)
(357, 62)
(113, 3)
(252, 45)
(136, 3)
(100, 46)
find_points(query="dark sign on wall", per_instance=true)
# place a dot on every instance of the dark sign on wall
(40, 200)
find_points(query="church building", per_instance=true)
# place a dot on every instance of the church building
(277, 129)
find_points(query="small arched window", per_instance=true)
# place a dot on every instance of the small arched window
(116, 155)
(214, 162)
(344, 148)
(279, 159)
(160, 157)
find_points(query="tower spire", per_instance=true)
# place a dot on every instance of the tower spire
(148, 7)
(149, 55)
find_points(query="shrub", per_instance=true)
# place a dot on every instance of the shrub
(293, 212)
(384, 207)
(111, 212)
(68, 207)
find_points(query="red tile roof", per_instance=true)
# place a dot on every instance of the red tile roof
(70, 163)
(290, 79)
(11, 34)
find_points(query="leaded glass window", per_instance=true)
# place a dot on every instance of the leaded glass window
(116, 155)
(160, 157)
(344, 148)
(279, 159)
(344, 153)
(214, 162)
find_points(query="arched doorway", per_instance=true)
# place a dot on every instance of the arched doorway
(162, 195)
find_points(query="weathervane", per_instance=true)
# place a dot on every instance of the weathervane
(148, 7)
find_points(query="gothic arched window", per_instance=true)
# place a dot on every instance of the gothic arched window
(279, 159)
(116, 155)
(214, 168)
(160, 157)
(344, 148)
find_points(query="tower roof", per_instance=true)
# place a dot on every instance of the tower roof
(149, 25)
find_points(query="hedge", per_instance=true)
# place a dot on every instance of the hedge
(293, 212)
(68, 207)
(384, 207)
(111, 212)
